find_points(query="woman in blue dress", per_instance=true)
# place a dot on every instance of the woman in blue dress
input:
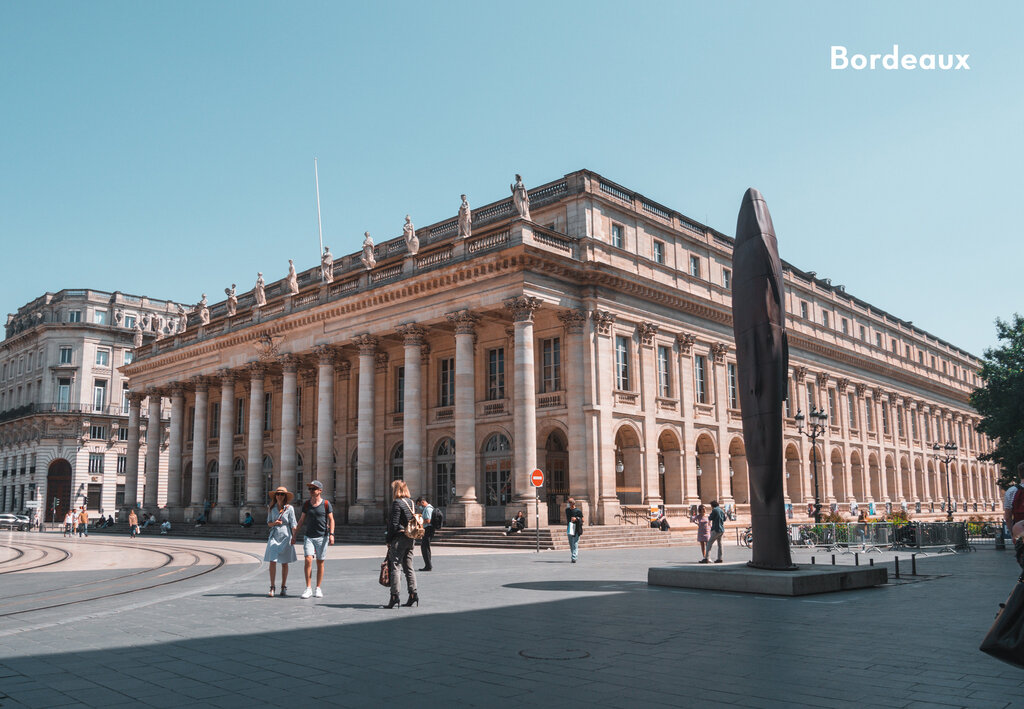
(281, 520)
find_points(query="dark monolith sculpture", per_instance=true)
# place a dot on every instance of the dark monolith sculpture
(762, 365)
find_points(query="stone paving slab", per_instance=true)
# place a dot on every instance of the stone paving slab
(483, 617)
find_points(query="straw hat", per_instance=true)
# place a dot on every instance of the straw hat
(287, 495)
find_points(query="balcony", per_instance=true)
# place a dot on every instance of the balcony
(626, 398)
(552, 400)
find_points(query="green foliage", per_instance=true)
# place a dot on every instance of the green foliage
(897, 516)
(1000, 399)
(834, 518)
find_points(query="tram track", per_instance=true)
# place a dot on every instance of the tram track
(16, 550)
(35, 545)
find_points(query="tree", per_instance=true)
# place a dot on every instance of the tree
(1000, 399)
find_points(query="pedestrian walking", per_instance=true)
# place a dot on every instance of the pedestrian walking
(317, 526)
(83, 522)
(400, 545)
(431, 515)
(133, 524)
(717, 518)
(280, 550)
(69, 523)
(574, 528)
(703, 531)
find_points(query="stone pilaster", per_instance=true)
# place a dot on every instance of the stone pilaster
(648, 381)
(254, 451)
(289, 419)
(365, 511)
(466, 510)
(574, 322)
(412, 403)
(684, 342)
(199, 436)
(604, 445)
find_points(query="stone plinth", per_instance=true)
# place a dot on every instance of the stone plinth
(805, 580)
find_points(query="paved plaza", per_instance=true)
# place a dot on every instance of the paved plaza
(194, 628)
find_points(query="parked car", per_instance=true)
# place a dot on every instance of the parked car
(18, 522)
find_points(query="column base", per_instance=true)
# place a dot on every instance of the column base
(464, 514)
(606, 510)
(225, 515)
(366, 513)
(192, 513)
(175, 514)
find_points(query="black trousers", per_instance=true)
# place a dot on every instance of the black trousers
(428, 533)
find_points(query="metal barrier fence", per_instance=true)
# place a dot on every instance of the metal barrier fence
(881, 536)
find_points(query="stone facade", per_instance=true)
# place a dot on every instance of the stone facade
(65, 416)
(592, 340)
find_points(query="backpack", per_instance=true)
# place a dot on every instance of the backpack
(436, 519)
(1017, 509)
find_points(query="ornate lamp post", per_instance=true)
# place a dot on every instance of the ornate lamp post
(946, 454)
(818, 420)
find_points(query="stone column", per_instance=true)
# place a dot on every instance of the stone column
(363, 511)
(827, 485)
(844, 427)
(412, 423)
(466, 510)
(174, 450)
(131, 466)
(199, 436)
(326, 356)
(225, 450)
(154, 430)
(648, 388)
(684, 341)
(524, 413)
(573, 368)
(289, 419)
(721, 400)
(254, 452)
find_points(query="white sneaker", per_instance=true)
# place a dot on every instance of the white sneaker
(307, 593)
(318, 593)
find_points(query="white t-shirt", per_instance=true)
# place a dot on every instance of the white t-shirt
(1008, 498)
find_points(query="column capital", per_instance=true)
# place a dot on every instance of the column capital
(325, 354)
(176, 389)
(201, 383)
(862, 389)
(289, 362)
(602, 321)
(381, 359)
(366, 343)
(822, 379)
(647, 331)
(799, 374)
(464, 321)
(718, 351)
(308, 377)
(136, 397)
(412, 334)
(573, 320)
(343, 368)
(227, 377)
(685, 342)
(841, 384)
(522, 307)
(256, 370)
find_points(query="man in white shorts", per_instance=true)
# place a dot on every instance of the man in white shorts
(317, 525)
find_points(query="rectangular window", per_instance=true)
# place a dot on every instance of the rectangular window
(268, 411)
(74, 316)
(811, 404)
(845, 326)
(727, 279)
(95, 463)
(920, 357)
(622, 363)
(695, 266)
(122, 434)
(664, 371)
(215, 420)
(734, 395)
(95, 491)
(496, 372)
(102, 357)
(119, 496)
(878, 339)
(906, 350)
(899, 422)
(700, 384)
(863, 333)
(933, 361)
(129, 322)
(832, 406)
(122, 464)
(99, 316)
(659, 251)
(63, 394)
(885, 418)
(99, 394)
(124, 398)
(913, 424)
(399, 389)
(927, 429)
(868, 420)
(824, 319)
(97, 432)
(895, 347)
(239, 417)
(298, 404)
(803, 309)
(446, 395)
(129, 356)
(65, 355)
(618, 236)
(551, 364)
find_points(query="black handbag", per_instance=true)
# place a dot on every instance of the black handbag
(1005, 639)
(385, 570)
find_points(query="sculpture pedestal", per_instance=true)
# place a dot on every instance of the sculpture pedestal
(805, 579)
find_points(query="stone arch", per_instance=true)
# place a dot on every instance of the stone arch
(891, 484)
(58, 486)
(861, 488)
(838, 473)
(555, 464)
(670, 454)
(739, 476)
(396, 463)
(496, 458)
(628, 465)
(874, 478)
(817, 470)
(795, 487)
(905, 480)
(934, 486)
(442, 456)
(965, 483)
(707, 467)
(919, 479)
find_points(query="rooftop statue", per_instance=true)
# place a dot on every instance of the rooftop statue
(232, 300)
(520, 198)
(204, 311)
(412, 242)
(368, 259)
(293, 278)
(181, 324)
(465, 219)
(137, 335)
(327, 266)
(259, 293)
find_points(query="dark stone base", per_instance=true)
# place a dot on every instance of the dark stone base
(740, 578)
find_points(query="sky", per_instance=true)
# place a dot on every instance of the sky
(166, 149)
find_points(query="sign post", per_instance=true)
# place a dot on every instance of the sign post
(537, 479)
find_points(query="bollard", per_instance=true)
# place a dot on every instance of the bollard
(913, 564)
(896, 561)
(871, 562)
(856, 558)
(833, 560)
(812, 559)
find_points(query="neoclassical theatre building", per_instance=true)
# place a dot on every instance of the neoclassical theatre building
(579, 328)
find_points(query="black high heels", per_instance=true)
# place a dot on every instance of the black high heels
(414, 599)
(394, 602)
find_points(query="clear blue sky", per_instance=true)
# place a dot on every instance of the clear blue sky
(166, 148)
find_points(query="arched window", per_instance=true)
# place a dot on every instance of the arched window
(211, 483)
(398, 462)
(268, 476)
(238, 483)
(497, 475)
(444, 472)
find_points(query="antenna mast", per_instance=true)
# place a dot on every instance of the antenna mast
(320, 226)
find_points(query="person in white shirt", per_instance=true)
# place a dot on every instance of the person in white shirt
(428, 533)
(69, 523)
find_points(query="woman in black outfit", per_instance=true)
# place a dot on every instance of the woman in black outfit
(400, 546)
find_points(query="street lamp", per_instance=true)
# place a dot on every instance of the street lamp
(946, 454)
(818, 420)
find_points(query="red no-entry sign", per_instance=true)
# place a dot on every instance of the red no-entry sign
(537, 477)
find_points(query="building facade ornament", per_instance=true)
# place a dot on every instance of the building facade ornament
(366, 343)
(520, 198)
(412, 334)
(822, 379)
(603, 320)
(522, 307)
(292, 281)
(201, 383)
(685, 341)
(325, 354)
(841, 384)
(231, 305)
(718, 351)
(465, 219)
(573, 320)
(267, 347)
(647, 331)
(289, 363)
(259, 291)
(424, 353)
(137, 335)
(861, 389)
(464, 322)
(368, 258)
(256, 370)
(412, 242)
(381, 359)
(327, 266)
(799, 374)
